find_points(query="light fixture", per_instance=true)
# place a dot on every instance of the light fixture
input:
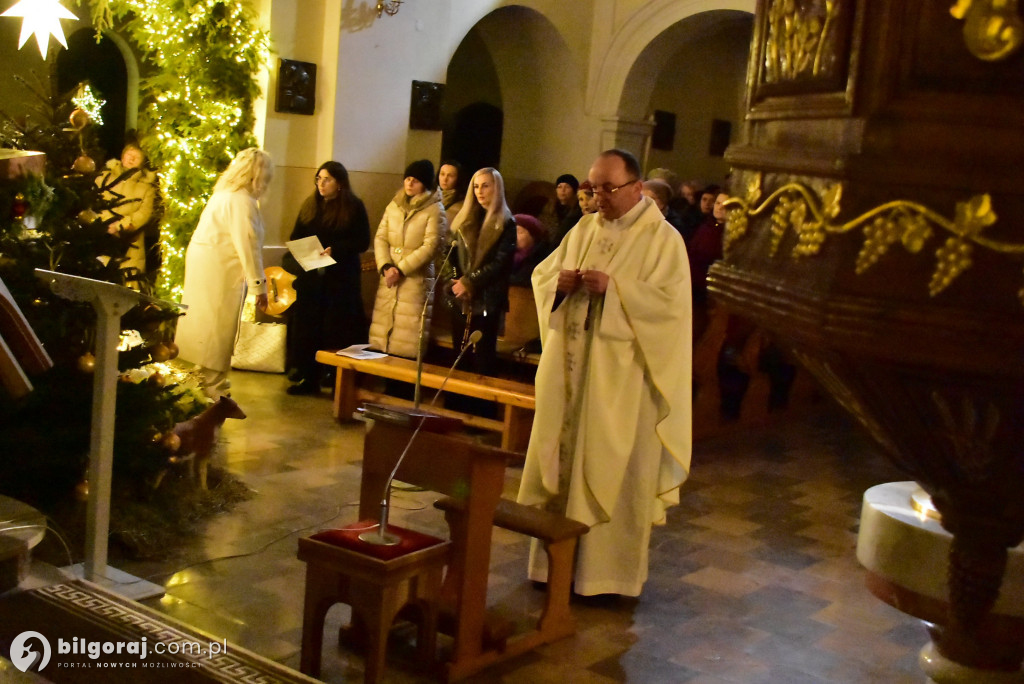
(389, 7)
(42, 18)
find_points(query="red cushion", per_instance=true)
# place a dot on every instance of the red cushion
(347, 537)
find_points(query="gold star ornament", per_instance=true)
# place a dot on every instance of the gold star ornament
(41, 18)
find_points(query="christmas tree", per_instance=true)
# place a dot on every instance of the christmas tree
(61, 221)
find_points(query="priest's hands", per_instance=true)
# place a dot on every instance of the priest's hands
(594, 282)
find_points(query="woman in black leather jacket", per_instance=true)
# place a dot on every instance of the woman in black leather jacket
(484, 234)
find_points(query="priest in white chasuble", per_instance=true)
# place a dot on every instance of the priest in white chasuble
(611, 438)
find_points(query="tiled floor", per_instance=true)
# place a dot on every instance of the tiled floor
(753, 579)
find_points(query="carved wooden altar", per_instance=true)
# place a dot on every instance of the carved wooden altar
(877, 224)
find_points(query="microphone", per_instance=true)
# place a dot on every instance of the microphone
(421, 341)
(380, 536)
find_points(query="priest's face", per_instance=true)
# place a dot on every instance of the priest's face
(615, 190)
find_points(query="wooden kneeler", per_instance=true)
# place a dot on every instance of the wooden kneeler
(559, 535)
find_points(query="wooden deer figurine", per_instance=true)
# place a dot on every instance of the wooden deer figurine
(198, 435)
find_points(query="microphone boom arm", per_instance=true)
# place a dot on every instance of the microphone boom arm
(421, 340)
(381, 536)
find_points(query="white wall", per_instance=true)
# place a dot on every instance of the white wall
(299, 30)
(703, 80)
(563, 70)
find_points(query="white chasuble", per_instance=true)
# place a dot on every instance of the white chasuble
(611, 438)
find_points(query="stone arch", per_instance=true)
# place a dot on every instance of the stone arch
(608, 91)
(112, 62)
(541, 88)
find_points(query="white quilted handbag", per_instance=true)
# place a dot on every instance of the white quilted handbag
(260, 347)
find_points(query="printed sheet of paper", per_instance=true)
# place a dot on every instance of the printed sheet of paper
(360, 351)
(307, 251)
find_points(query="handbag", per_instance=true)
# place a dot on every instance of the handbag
(260, 347)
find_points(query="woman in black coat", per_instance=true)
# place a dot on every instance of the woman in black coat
(484, 234)
(328, 311)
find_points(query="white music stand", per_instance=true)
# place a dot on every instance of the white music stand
(110, 302)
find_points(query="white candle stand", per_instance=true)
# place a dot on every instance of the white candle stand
(111, 302)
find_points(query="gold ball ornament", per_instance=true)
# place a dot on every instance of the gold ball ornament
(171, 442)
(87, 216)
(172, 349)
(87, 363)
(160, 352)
(82, 491)
(84, 164)
(79, 119)
(157, 380)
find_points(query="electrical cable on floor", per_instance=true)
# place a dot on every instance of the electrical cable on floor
(71, 562)
(268, 544)
(37, 526)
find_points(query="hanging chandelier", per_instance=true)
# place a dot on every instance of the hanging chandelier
(389, 7)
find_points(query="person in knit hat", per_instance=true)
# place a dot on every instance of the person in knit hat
(423, 171)
(530, 249)
(410, 234)
(567, 207)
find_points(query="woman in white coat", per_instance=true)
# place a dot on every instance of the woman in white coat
(408, 238)
(223, 260)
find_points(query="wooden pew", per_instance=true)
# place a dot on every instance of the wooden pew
(516, 398)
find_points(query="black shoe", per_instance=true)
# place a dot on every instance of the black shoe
(304, 387)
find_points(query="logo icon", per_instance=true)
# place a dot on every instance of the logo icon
(30, 651)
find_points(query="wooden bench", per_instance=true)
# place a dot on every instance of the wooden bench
(517, 398)
(559, 536)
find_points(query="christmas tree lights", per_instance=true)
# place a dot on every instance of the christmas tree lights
(200, 65)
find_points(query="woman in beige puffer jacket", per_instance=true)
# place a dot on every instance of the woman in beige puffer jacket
(410, 235)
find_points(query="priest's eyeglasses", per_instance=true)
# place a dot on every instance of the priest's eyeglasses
(604, 188)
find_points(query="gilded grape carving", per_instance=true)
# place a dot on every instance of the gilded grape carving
(811, 217)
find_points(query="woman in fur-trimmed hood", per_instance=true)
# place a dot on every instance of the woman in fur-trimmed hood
(409, 237)
(484, 234)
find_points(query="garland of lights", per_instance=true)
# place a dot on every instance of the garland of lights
(198, 96)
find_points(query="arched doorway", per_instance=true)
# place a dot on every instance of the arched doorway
(516, 60)
(693, 72)
(103, 67)
(474, 137)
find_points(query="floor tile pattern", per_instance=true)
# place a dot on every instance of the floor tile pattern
(753, 578)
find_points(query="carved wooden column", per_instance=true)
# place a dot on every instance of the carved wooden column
(877, 224)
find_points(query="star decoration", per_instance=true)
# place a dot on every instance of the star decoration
(42, 18)
(87, 101)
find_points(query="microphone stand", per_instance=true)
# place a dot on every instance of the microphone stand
(421, 342)
(380, 536)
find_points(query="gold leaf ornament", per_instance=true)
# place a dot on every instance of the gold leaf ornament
(914, 232)
(974, 215)
(993, 29)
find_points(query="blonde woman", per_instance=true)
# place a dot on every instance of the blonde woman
(223, 260)
(484, 233)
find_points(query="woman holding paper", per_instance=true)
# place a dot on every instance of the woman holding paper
(224, 257)
(408, 238)
(328, 309)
